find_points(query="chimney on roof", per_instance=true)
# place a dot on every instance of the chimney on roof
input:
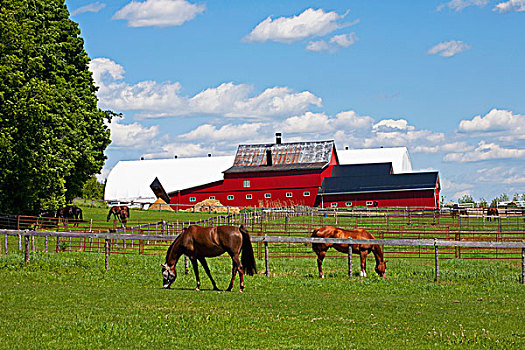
(209, 154)
(278, 138)
(269, 157)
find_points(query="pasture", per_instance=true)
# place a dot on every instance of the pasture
(67, 300)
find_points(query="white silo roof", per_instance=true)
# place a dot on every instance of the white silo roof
(130, 180)
(398, 156)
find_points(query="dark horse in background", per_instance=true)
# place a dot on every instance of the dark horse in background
(120, 212)
(362, 249)
(70, 212)
(198, 243)
(492, 213)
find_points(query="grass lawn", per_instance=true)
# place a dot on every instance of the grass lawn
(67, 300)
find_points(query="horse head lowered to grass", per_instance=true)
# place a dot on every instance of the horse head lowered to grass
(198, 243)
(362, 249)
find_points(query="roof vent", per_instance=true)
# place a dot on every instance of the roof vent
(278, 138)
(176, 156)
(269, 157)
(346, 148)
(141, 158)
(209, 154)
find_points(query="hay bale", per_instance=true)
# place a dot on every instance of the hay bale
(160, 204)
(214, 206)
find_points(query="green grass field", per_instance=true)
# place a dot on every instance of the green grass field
(67, 300)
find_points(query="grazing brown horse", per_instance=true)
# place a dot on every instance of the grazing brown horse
(362, 249)
(117, 212)
(199, 242)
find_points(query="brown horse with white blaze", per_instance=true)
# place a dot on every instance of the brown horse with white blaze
(362, 249)
(198, 243)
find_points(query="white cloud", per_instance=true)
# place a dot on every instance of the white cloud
(485, 151)
(322, 123)
(335, 42)
(310, 23)
(309, 122)
(448, 48)
(228, 132)
(494, 121)
(344, 40)
(154, 99)
(510, 6)
(458, 5)
(319, 46)
(169, 150)
(159, 13)
(134, 136)
(501, 175)
(93, 7)
(391, 124)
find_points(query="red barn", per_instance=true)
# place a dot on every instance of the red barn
(309, 173)
(269, 175)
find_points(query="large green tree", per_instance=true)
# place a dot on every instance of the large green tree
(52, 134)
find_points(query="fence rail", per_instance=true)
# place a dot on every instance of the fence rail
(107, 236)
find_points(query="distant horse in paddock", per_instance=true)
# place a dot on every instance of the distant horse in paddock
(70, 212)
(199, 242)
(123, 215)
(47, 219)
(491, 212)
(117, 210)
(362, 249)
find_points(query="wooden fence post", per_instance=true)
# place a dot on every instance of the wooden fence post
(266, 259)
(522, 265)
(26, 249)
(350, 267)
(436, 259)
(5, 242)
(106, 253)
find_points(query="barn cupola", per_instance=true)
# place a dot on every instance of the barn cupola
(278, 138)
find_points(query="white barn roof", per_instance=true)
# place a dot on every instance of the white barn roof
(398, 156)
(130, 180)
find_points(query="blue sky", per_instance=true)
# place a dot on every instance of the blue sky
(443, 78)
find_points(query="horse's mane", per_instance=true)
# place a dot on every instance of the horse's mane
(168, 253)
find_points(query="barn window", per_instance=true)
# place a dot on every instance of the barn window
(248, 196)
(193, 199)
(246, 183)
(369, 203)
(289, 194)
(306, 194)
(230, 197)
(333, 204)
(267, 195)
(212, 197)
(348, 204)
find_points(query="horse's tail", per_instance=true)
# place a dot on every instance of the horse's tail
(247, 257)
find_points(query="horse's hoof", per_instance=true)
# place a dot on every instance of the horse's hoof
(240, 290)
(198, 289)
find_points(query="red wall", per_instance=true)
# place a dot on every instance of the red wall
(276, 183)
(423, 199)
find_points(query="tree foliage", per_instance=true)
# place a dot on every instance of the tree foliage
(52, 134)
(93, 189)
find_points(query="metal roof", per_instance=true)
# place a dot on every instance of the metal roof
(284, 156)
(131, 180)
(398, 156)
(375, 180)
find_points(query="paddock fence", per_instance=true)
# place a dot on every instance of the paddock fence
(388, 224)
(435, 244)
